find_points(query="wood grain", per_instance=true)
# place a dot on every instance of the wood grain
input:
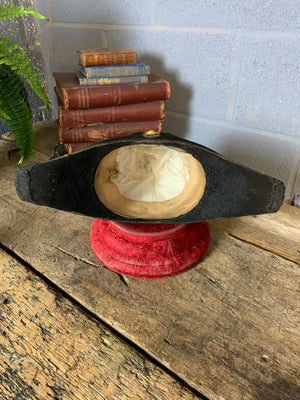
(229, 327)
(45, 136)
(52, 349)
(278, 232)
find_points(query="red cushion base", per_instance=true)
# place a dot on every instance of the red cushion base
(149, 250)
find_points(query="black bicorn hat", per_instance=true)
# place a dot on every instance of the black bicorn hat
(67, 183)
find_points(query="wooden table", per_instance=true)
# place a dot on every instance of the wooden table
(72, 329)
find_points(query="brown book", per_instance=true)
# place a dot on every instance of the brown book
(73, 147)
(72, 95)
(95, 133)
(72, 118)
(106, 56)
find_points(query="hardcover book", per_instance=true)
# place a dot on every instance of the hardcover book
(111, 71)
(117, 80)
(72, 95)
(106, 56)
(71, 118)
(95, 133)
(73, 147)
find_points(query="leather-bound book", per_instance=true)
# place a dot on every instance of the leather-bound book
(71, 118)
(95, 133)
(107, 56)
(72, 95)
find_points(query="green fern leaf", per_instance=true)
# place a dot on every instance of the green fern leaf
(11, 55)
(15, 107)
(12, 11)
(4, 116)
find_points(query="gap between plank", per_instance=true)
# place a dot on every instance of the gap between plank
(105, 324)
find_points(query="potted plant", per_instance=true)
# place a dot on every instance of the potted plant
(15, 66)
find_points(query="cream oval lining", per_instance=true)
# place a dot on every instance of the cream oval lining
(151, 172)
(110, 196)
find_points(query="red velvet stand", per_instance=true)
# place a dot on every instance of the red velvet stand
(149, 250)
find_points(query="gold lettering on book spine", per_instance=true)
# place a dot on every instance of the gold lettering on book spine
(117, 95)
(73, 136)
(92, 59)
(83, 98)
(107, 81)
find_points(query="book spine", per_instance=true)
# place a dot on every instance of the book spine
(95, 133)
(105, 96)
(112, 71)
(73, 147)
(118, 80)
(151, 111)
(108, 59)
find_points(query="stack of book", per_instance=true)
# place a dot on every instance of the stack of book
(113, 95)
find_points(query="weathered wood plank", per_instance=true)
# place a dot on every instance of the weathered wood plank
(45, 136)
(52, 349)
(278, 232)
(229, 326)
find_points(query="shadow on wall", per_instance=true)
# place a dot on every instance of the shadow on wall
(257, 156)
(180, 94)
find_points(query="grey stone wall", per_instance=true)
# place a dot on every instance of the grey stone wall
(234, 68)
(23, 31)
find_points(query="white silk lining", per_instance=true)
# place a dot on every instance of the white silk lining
(150, 172)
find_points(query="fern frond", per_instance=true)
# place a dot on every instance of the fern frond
(12, 56)
(15, 106)
(12, 11)
(15, 109)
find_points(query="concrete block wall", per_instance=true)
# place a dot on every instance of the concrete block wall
(233, 66)
(23, 32)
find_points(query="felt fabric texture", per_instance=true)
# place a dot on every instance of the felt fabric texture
(149, 250)
(67, 183)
